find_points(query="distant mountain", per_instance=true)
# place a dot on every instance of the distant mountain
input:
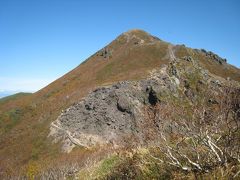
(6, 93)
(13, 97)
(125, 112)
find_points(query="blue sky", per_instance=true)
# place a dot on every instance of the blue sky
(41, 40)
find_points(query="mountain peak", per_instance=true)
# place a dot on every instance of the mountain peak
(112, 99)
(136, 31)
(137, 36)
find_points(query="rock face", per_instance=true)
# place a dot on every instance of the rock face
(214, 56)
(116, 114)
(111, 114)
(105, 53)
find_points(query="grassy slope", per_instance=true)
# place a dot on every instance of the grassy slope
(29, 134)
(8, 119)
(13, 97)
(26, 140)
(214, 67)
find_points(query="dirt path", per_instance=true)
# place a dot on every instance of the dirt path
(171, 52)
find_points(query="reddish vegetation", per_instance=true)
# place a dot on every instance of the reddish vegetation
(26, 139)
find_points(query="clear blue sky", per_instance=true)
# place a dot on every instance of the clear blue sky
(40, 40)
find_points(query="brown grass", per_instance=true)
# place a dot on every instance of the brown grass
(27, 141)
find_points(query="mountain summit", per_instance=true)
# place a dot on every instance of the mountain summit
(147, 104)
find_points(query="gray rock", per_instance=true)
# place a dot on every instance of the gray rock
(188, 58)
(214, 56)
(173, 70)
(110, 114)
(117, 114)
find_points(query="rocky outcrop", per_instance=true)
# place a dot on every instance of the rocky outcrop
(105, 53)
(214, 56)
(111, 114)
(116, 114)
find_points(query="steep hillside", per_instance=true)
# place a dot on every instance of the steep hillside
(131, 56)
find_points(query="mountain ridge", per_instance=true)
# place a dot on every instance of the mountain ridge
(131, 56)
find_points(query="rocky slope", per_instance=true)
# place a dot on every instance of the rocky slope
(116, 114)
(110, 114)
(180, 117)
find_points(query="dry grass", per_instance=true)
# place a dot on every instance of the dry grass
(25, 139)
